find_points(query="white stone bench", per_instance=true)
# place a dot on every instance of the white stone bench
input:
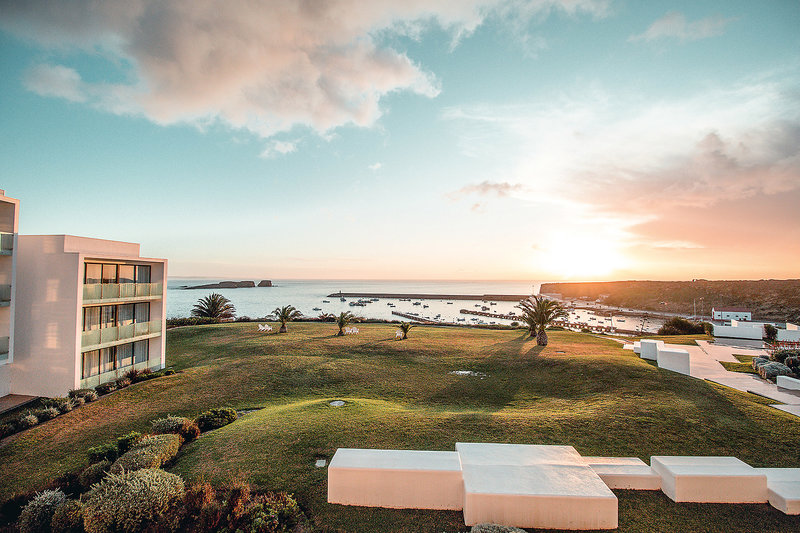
(533, 486)
(649, 349)
(674, 359)
(710, 479)
(785, 382)
(624, 473)
(636, 347)
(783, 487)
(398, 479)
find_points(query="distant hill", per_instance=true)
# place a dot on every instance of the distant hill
(769, 299)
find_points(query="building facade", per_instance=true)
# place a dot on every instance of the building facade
(87, 311)
(731, 313)
(9, 224)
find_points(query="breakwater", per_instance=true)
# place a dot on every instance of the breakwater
(416, 318)
(412, 296)
(490, 315)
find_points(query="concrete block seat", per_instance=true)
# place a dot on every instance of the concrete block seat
(624, 472)
(399, 479)
(783, 488)
(649, 349)
(533, 486)
(674, 359)
(786, 382)
(709, 479)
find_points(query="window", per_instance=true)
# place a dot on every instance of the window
(106, 359)
(142, 312)
(91, 364)
(141, 351)
(124, 355)
(93, 273)
(143, 274)
(108, 316)
(126, 273)
(125, 314)
(91, 318)
(109, 273)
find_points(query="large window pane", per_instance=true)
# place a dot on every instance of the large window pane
(91, 318)
(124, 355)
(109, 273)
(143, 312)
(126, 273)
(125, 314)
(143, 274)
(141, 351)
(91, 363)
(93, 273)
(106, 359)
(108, 316)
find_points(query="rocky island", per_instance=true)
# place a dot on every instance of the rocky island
(232, 285)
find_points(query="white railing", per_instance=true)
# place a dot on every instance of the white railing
(108, 291)
(97, 337)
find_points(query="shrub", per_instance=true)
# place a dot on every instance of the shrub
(494, 528)
(93, 473)
(759, 361)
(190, 321)
(150, 452)
(168, 372)
(6, 430)
(132, 375)
(78, 401)
(90, 396)
(47, 413)
(781, 355)
(64, 405)
(27, 420)
(105, 388)
(681, 326)
(123, 382)
(178, 425)
(126, 442)
(131, 501)
(68, 518)
(772, 370)
(102, 453)
(770, 332)
(37, 516)
(216, 418)
(79, 393)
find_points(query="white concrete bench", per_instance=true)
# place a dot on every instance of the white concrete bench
(636, 347)
(783, 487)
(398, 479)
(533, 486)
(649, 349)
(785, 382)
(674, 359)
(710, 479)
(624, 473)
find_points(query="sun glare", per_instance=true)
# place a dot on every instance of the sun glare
(571, 257)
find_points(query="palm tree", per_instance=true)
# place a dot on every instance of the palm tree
(285, 314)
(539, 312)
(529, 321)
(404, 327)
(214, 306)
(342, 320)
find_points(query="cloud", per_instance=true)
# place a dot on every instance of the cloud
(674, 25)
(275, 148)
(265, 67)
(375, 166)
(55, 81)
(486, 188)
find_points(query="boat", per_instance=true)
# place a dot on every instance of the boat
(417, 303)
(425, 306)
(449, 303)
(317, 309)
(342, 299)
(326, 301)
(492, 303)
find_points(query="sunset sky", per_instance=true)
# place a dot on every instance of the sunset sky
(422, 139)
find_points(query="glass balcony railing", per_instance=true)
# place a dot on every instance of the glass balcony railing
(3, 349)
(109, 291)
(97, 337)
(5, 293)
(6, 243)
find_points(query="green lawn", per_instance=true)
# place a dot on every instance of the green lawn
(595, 396)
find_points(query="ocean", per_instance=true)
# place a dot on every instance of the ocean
(311, 298)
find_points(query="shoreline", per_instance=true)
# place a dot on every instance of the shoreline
(478, 297)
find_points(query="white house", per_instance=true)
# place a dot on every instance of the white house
(731, 313)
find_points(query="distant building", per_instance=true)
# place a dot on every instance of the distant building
(731, 313)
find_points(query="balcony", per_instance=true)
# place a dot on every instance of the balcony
(3, 349)
(5, 295)
(105, 337)
(6, 243)
(94, 293)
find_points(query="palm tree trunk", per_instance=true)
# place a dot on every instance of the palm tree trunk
(541, 338)
(341, 332)
(533, 332)
(283, 329)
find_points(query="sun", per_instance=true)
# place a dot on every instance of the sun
(579, 257)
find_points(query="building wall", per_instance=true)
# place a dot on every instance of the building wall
(790, 334)
(751, 332)
(731, 315)
(9, 223)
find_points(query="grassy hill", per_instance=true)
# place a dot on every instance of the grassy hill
(769, 299)
(581, 390)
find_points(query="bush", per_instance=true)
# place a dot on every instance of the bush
(781, 355)
(772, 370)
(93, 473)
(28, 420)
(46, 413)
(68, 518)
(132, 501)
(6, 430)
(126, 442)
(90, 396)
(681, 326)
(78, 401)
(150, 452)
(770, 332)
(123, 382)
(168, 372)
(64, 405)
(190, 321)
(37, 516)
(216, 418)
(178, 425)
(105, 388)
(494, 528)
(79, 393)
(102, 453)
(759, 361)
(131, 375)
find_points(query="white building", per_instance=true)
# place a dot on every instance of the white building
(87, 311)
(731, 313)
(790, 334)
(9, 222)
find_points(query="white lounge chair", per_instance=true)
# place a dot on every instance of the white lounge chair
(264, 327)
(398, 334)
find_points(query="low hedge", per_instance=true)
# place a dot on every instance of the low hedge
(216, 418)
(93, 473)
(151, 452)
(179, 425)
(102, 452)
(68, 518)
(37, 516)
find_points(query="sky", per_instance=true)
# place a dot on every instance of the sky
(435, 139)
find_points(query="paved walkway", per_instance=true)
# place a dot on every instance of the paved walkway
(12, 401)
